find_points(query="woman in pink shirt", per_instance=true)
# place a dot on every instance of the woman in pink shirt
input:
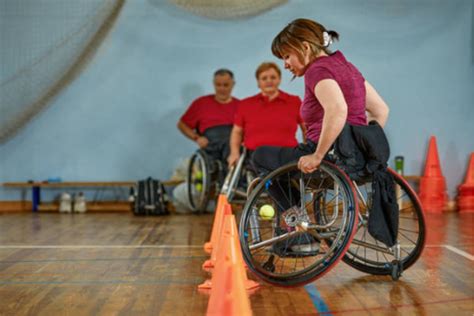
(335, 93)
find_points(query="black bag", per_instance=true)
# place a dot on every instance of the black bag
(362, 152)
(150, 198)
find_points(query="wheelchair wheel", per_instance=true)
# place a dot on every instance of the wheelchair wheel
(371, 256)
(285, 240)
(199, 181)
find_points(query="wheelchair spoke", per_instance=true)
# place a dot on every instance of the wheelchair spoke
(283, 191)
(406, 237)
(363, 239)
(309, 180)
(383, 253)
(408, 231)
(365, 252)
(274, 199)
(289, 189)
(405, 251)
(408, 209)
(303, 262)
(283, 237)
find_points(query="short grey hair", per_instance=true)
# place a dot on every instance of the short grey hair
(223, 71)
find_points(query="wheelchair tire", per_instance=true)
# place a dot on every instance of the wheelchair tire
(199, 181)
(363, 254)
(257, 232)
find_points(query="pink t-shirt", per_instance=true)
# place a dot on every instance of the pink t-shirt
(349, 79)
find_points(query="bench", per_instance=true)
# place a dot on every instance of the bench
(37, 186)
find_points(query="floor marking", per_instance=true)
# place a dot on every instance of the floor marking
(459, 252)
(192, 282)
(392, 307)
(318, 301)
(455, 250)
(96, 246)
(104, 259)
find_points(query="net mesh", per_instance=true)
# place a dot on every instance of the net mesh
(45, 44)
(225, 9)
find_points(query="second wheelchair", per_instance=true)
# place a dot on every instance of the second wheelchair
(207, 177)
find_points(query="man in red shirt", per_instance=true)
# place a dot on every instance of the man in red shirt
(269, 118)
(208, 120)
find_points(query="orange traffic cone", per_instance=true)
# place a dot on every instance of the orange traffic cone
(229, 281)
(229, 253)
(217, 224)
(466, 190)
(433, 194)
(209, 264)
(229, 298)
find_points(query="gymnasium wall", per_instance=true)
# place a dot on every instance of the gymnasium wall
(117, 120)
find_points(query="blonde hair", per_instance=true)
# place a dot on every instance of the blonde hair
(265, 66)
(291, 39)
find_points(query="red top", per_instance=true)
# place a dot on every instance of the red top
(206, 112)
(349, 79)
(269, 123)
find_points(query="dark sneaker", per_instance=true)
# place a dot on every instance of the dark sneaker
(301, 245)
(311, 249)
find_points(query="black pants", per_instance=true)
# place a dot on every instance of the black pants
(218, 147)
(268, 158)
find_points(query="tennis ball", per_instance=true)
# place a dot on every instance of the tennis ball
(266, 212)
(198, 175)
(198, 187)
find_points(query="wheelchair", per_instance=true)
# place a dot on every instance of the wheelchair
(207, 178)
(326, 213)
(204, 179)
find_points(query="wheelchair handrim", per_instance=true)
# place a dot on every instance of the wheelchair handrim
(301, 277)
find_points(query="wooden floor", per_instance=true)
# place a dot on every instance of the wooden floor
(117, 264)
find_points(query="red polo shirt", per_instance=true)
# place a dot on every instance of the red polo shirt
(269, 123)
(206, 112)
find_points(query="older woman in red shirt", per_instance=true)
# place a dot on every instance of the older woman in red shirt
(269, 118)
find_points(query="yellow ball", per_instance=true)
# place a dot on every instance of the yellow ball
(198, 187)
(198, 175)
(266, 212)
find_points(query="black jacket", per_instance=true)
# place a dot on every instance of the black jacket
(362, 152)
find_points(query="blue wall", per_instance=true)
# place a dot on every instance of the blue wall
(117, 120)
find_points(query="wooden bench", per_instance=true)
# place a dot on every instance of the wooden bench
(37, 186)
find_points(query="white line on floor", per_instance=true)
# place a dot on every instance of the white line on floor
(459, 252)
(96, 246)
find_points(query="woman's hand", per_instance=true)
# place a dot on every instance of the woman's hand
(309, 163)
(233, 158)
(202, 142)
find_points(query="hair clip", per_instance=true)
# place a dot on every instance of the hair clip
(327, 39)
